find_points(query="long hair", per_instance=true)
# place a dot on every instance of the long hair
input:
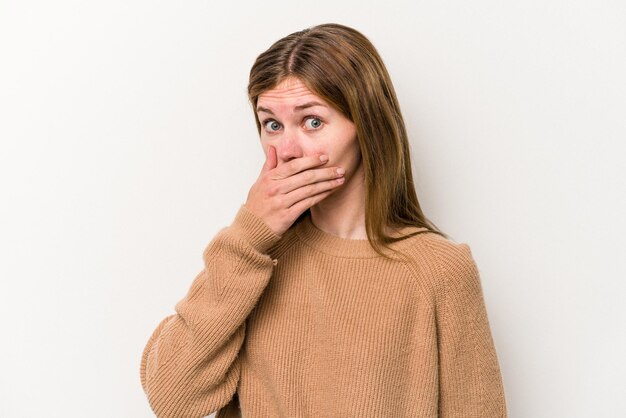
(341, 65)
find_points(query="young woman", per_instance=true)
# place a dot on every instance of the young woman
(330, 294)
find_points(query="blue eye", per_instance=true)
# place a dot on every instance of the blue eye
(273, 123)
(271, 126)
(318, 122)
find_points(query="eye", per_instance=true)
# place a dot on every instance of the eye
(317, 122)
(271, 126)
(272, 123)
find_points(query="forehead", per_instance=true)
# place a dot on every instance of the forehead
(288, 92)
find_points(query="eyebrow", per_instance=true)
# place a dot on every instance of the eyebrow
(297, 108)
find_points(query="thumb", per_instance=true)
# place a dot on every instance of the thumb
(270, 159)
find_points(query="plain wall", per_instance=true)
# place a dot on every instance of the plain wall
(127, 142)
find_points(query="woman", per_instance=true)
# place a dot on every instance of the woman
(303, 308)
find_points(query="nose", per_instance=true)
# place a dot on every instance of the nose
(288, 147)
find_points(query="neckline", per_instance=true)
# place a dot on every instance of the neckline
(335, 245)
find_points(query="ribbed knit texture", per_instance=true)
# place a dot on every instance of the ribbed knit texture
(313, 325)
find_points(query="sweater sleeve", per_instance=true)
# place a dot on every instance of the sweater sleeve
(190, 366)
(470, 381)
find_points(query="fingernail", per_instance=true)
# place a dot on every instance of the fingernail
(323, 158)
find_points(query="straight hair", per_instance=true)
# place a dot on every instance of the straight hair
(342, 66)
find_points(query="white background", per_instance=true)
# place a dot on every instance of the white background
(127, 141)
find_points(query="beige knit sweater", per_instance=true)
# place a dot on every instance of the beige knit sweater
(313, 325)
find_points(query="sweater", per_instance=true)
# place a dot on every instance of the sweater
(309, 324)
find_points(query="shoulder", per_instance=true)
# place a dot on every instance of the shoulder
(435, 249)
(440, 264)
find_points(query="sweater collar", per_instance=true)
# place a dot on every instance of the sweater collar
(334, 245)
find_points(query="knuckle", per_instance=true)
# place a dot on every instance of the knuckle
(291, 212)
(286, 168)
(272, 190)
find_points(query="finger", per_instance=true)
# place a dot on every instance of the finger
(304, 204)
(273, 157)
(310, 176)
(311, 190)
(298, 165)
(270, 159)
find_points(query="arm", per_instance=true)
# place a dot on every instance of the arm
(470, 382)
(190, 366)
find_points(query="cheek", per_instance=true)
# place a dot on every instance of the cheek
(352, 156)
(341, 146)
(321, 150)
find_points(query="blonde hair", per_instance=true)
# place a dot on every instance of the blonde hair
(341, 65)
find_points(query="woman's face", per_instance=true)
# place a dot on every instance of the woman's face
(306, 131)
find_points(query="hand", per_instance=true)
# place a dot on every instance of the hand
(281, 194)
